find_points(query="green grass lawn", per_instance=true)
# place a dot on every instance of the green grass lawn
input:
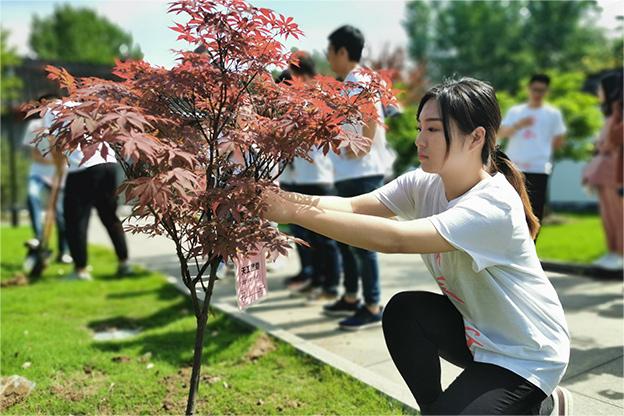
(579, 238)
(50, 324)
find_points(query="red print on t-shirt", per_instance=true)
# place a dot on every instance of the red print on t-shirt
(442, 283)
(528, 134)
(470, 338)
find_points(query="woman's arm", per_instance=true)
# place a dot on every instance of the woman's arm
(364, 231)
(366, 204)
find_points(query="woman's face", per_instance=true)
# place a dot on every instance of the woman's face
(431, 143)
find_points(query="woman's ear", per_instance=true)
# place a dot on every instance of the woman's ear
(477, 138)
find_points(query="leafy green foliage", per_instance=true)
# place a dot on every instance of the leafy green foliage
(80, 35)
(11, 85)
(22, 164)
(401, 136)
(503, 42)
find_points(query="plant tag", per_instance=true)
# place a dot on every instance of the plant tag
(251, 280)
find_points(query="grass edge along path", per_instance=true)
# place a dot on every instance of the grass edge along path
(47, 333)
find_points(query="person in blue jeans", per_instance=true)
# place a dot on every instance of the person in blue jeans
(40, 179)
(355, 176)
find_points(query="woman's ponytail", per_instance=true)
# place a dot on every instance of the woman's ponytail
(499, 162)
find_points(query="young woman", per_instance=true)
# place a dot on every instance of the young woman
(469, 216)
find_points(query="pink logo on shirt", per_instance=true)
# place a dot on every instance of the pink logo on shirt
(441, 280)
(438, 259)
(470, 339)
(528, 134)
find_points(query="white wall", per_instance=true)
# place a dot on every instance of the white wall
(565, 184)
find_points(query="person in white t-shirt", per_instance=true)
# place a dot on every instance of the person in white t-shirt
(320, 262)
(91, 183)
(40, 178)
(467, 212)
(534, 129)
(355, 176)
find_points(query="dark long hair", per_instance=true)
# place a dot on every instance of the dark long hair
(471, 103)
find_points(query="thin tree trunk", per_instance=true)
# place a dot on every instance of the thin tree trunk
(201, 319)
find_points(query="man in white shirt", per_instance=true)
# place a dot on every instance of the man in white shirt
(356, 176)
(534, 129)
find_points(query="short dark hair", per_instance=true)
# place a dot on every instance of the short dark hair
(351, 39)
(543, 78)
(302, 64)
(284, 76)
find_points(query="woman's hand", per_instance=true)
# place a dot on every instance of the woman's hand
(279, 209)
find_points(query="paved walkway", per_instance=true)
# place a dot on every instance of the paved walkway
(594, 310)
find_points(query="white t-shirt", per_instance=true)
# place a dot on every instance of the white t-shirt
(42, 171)
(512, 314)
(531, 147)
(75, 157)
(302, 172)
(378, 160)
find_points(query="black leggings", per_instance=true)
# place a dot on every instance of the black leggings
(85, 189)
(420, 327)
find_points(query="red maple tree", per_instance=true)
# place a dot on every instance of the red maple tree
(199, 142)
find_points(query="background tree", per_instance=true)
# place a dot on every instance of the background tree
(10, 89)
(200, 142)
(80, 35)
(505, 41)
(11, 84)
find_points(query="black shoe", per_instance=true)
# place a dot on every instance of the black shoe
(125, 270)
(362, 319)
(341, 308)
(295, 279)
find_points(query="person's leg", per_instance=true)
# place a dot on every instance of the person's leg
(106, 206)
(306, 254)
(350, 267)
(369, 267)
(435, 329)
(610, 211)
(60, 225)
(35, 187)
(537, 186)
(324, 251)
(77, 204)
(488, 389)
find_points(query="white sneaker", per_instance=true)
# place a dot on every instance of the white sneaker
(83, 276)
(611, 261)
(562, 402)
(598, 262)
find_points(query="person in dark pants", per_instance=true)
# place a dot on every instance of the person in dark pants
(356, 176)
(320, 262)
(92, 185)
(534, 130)
(467, 212)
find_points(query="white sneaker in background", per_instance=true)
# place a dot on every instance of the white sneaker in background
(84, 275)
(614, 262)
(598, 262)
